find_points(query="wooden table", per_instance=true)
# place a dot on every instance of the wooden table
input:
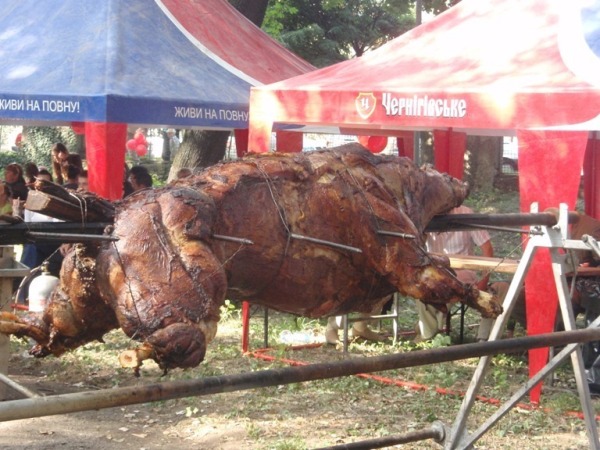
(483, 263)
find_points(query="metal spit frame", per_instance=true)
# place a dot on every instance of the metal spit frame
(554, 238)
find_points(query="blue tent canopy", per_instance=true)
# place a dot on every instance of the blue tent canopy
(140, 62)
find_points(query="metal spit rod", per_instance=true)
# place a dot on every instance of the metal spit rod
(68, 237)
(108, 398)
(17, 387)
(23, 232)
(435, 432)
(323, 242)
(450, 222)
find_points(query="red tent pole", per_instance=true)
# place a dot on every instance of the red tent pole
(456, 154)
(289, 141)
(406, 144)
(241, 142)
(550, 165)
(260, 124)
(105, 150)
(245, 326)
(441, 152)
(591, 178)
(449, 152)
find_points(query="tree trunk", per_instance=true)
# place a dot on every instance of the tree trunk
(484, 154)
(204, 148)
(166, 148)
(254, 10)
(199, 149)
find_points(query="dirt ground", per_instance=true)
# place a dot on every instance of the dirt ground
(298, 416)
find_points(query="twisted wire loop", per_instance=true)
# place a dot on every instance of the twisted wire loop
(83, 206)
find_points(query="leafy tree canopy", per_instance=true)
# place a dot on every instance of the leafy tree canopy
(328, 31)
(438, 6)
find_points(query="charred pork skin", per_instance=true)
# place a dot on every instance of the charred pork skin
(312, 234)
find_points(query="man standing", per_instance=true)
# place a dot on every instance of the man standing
(431, 320)
(140, 178)
(173, 143)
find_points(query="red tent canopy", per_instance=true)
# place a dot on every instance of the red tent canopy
(528, 68)
(482, 67)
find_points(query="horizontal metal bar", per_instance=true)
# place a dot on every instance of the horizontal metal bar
(396, 234)
(450, 222)
(68, 237)
(17, 233)
(233, 239)
(108, 398)
(505, 229)
(436, 432)
(323, 242)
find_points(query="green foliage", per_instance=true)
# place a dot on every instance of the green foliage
(276, 13)
(157, 180)
(39, 140)
(438, 6)
(229, 311)
(290, 444)
(12, 157)
(326, 32)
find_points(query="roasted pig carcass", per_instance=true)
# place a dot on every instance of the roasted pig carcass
(313, 234)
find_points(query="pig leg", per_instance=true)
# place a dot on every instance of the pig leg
(164, 281)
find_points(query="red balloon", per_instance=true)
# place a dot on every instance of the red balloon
(377, 143)
(131, 144)
(374, 144)
(141, 150)
(140, 139)
(363, 140)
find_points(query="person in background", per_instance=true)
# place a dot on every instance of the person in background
(5, 200)
(127, 187)
(59, 155)
(83, 181)
(140, 178)
(173, 143)
(73, 159)
(30, 172)
(45, 174)
(13, 175)
(34, 254)
(72, 175)
(431, 320)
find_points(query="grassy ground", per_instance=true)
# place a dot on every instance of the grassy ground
(320, 413)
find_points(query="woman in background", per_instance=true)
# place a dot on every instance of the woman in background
(59, 155)
(30, 173)
(13, 175)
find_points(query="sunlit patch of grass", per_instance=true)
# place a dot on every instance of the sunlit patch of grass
(290, 443)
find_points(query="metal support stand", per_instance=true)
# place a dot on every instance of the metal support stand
(9, 270)
(554, 238)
